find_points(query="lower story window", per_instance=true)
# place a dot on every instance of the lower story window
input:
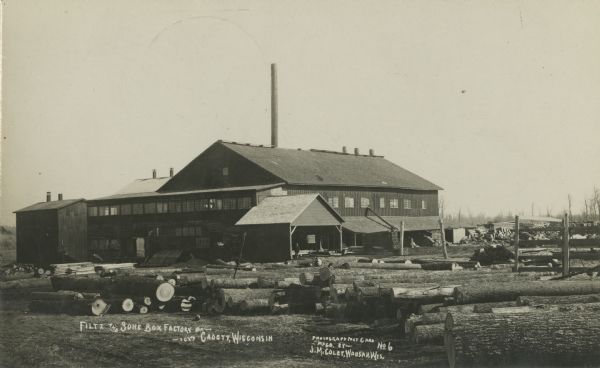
(348, 202)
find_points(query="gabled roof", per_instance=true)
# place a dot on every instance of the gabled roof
(199, 191)
(54, 205)
(144, 185)
(330, 168)
(283, 210)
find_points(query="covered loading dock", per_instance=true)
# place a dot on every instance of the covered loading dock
(278, 225)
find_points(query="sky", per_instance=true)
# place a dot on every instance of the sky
(498, 102)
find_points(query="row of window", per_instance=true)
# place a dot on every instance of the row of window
(366, 202)
(200, 242)
(207, 204)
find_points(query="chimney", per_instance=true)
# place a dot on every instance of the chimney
(274, 105)
(344, 149)
(356, 152)
(48, 197)
(153, 173)
(371, 152)
(60, 196)
(170, 172)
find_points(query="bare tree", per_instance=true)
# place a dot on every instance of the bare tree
(596, 200)
(441, 205)
(570, 200)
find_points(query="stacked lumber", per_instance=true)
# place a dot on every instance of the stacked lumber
(80, 268)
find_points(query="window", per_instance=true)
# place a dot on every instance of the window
(201, 204)
(114, 210)
(138, 208)
(407, 204)
(381, 202)
(311, 239)
(174, 207)
(187, 231)
(423, 205)
(244, 203)
(103, 210)
(364, 202)
(225, 171)
(334, 202)
(203, 242)
(348, 202)
(125, 209)
(150, 207)
(162, 207)
(215, 204)
(229, 204)
(394, 203)
(93, 211)
(188, 206)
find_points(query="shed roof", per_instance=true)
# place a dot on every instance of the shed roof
(53, 205)
(144, 185)
(199, 191)
(283, 209)
(371, 224)
(315, 167)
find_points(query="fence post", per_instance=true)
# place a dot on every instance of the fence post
(516, 244)
(443, 238)
(565, 246)
(401, 238)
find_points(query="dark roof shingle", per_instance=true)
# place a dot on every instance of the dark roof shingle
(54, 205)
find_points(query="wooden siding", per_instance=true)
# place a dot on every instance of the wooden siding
(267, 243)
(37, 237)
(206, 171)
(316, 215)
(72, 231)
(373, 194)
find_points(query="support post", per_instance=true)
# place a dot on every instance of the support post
(516, 244)
(401, 238)
(443, 238)
(341, 240)
(565, 246)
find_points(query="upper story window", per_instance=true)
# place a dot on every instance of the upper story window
(138, 208)
(103, 211)
(244, 203)
(162, 207)
(348, 202)
(394, 203)
(174, 207)
(334, 202)
(92, 211)
(125, 209)
(229, 203)
(188, 206)
(150, 207)
(423, 205)
(113, 210)
(381, 202)
(225, 171)
(364, 202)
(407, 204)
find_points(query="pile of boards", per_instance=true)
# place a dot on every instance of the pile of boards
(508, 324)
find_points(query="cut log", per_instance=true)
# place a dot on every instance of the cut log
(233, 283)
(429, 308)
(233, 297)
(441, 266)
(387, 266)
(544, 338)
(25, 283)
(488, 307)
(502, 291)
(255, 306)
(99, 307)
(71, 307)
(279, 308)
(568, 299)
(62, 295)
(429, 334)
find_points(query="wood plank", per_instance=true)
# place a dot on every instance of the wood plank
(583, 230)
(539, 243)
(584, 242)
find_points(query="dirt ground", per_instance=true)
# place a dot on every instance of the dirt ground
(36, 340)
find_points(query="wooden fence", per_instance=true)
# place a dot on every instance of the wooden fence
(570, 247)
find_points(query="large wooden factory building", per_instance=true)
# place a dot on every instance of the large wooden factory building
(282, 199)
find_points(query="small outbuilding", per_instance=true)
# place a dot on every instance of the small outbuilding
(279, 226)
(52, 231)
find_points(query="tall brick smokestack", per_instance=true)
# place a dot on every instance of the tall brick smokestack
(274, 105)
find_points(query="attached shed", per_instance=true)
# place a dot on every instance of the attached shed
(52, 231)
(279, 225)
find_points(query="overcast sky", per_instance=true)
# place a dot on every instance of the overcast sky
(496, 101)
